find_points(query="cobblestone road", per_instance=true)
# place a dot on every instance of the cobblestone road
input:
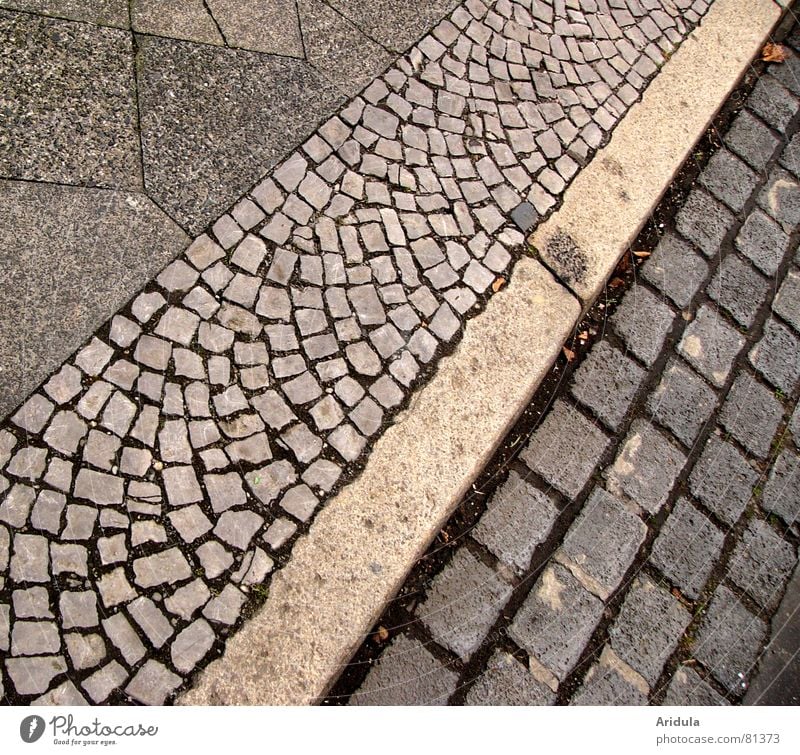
(153, 483)
(645, 534)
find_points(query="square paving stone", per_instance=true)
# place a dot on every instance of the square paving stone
(565, 449)
(71, 109)
(729, 641)
(780, 198)
(406, 674)
(687, 549)
(738, 288)
(729, 179)
(762, 563)
(753, 141)
(710, 345)
(607, 383)
(506, 681)
(704, 221)
(782, 492)
(763, 241)
(556, 620)
(646, 468)
(648, 628)
(606, 683)
(462, 604)
(790, 157)
(643, 321)
(687, 687)
(676, 270)
(751, 414)
(772, 102)
(602, 542)
(787, 301)
(777, 356)
(518, 518)
(682, 401)
(723, 480)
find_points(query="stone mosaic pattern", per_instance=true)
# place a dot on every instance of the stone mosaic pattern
(153, 483)
(648, 529)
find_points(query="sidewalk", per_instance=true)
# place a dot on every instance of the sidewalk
(644, 536)
(157, 485)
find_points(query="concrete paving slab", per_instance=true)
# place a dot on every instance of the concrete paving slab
(69, 103)
(57, 245)
(102, 12)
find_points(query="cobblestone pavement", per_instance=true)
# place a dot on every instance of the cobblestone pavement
(646, 532)
(153, 483)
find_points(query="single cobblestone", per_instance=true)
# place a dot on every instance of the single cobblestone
(608, 682)
(782, 492)
(704, 221)
(463, 603)
(556, 620)
(710, 345)
(729, 641)
(687, 548)
(565, 449)
(646, 468)
(518, 518)
(729, 179)
(506, 681)
(737, 287)
(648, 628)
(777, 356)
(643, 321)
(407, 674)
(751, 414)
(675, 270)
(607, 383)
(689, 688)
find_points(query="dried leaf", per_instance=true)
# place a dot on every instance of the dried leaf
(642, 255)
(381, 634)
(773, 53)
(616, 282)
(583, 335)
(499, 282)
(569, 354)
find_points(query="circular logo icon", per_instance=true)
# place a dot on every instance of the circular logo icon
(31, 728)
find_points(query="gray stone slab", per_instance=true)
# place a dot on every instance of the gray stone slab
(643, 321)
(777, 356)
(602, 542)
(676, 270)
(737, 287)
(102, 12)
(604, 684)
(687, 687)
(518, 518)
(179, 19)
(462, 604)
(782, 492)
(189, 95)
(70, 107)
(262, 25)
(704, 221)
(729, 641)
(751, 414)
(687, 548)
(682, 401)
(396, 26)
(710, 345)
(646, 468)
(607, 383)
(565, 449)
(44, 239)
(407, 674)
(556, 620)
(648, 628)
(506, 681)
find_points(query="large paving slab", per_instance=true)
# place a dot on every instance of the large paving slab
(57, 245)
(69, 104)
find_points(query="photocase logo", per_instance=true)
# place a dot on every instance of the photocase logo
(31, 728)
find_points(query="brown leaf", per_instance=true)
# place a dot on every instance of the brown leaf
(616, 282)
(773, 53)
(569, 354)
(381, 634)
(499, 282)
(641, 255)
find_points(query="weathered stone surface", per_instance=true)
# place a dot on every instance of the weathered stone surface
(153, 684)
(710, 345)
(192, 645)
(506, 681)
(751, 414)
(407, 674)
(689, 688)
(168, 566)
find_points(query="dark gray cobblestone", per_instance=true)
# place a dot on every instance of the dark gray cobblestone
(250, 377)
